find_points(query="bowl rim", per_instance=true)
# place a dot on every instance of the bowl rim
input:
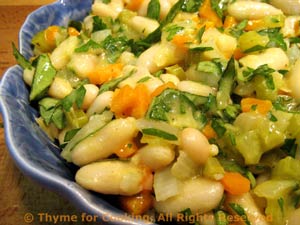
(70, 190)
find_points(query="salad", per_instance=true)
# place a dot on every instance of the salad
(186, 110)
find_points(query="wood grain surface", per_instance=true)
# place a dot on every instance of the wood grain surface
(18, 194)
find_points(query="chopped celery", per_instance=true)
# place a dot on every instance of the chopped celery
(213, 169)
(287, 168)
(250, 40)
(184, 167)
(226, 85)
(76, 118)
(165, 184)
(177, 71)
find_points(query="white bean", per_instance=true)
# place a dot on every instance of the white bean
(290, 26)
(155, 156)
(199, 194)
(143, 25)
(104, 142)
(91, 93)
(252, 211)
(251, 10)
(195, 144)
(166, 77)
(111, 9)
(276, 58)
(101, 102)
(293, 79)
(195, 88)
(111, 177)
(146, 59)
(83, 63)
(62, 54)
(28, 75)
(60, 88)
(290, 7)
(294, 217)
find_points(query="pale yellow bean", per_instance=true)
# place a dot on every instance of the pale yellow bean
(166, 77)
(275, 58)
(90, 95)
(111, 177)
(294, 217)
(143, 25)
(195, 88)
(83, 63)
(62, 54)
(200, 195)
(28, 76)
(155, 156)
(104, 142)
(60, 88)
(195, 144)
(251, 10)
(100, 103)
(111, 9)
(289, 7)
(290, 26)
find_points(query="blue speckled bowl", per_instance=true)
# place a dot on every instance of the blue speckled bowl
(33, 152)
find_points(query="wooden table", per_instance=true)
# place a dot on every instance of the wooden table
(18, 194)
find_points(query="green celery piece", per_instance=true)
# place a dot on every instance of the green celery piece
(287, 168)
(21, 60)
(43, 77)
(213, 169)
(76, 118)
(225, 85)
(242, 145)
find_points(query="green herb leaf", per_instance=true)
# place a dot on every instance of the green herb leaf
(191, 6)
(153, 10)
(76, 96)
(21, 60)
(43, 77)
(114, 47)
(289, 147)
(90, 45)
(238, 30)
(98, 24)
(172, 30)
(70, 134)
(159, 133)
(240, 211)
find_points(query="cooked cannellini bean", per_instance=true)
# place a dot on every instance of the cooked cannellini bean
(226, 44)
(143, 25)
(28, 76)
(199, 194)
(294, 217)
(99, 146)
(195, 88)
(111, 9)
(290, 7)
(111, 177)
(195, 144)
(60, 88)
(146, 59)
(276, 58)
(166, 77)
(155, 156)
(62, 54)
(293, 80)
(83, 63)
(251, 10)
(101, 102)
(252, 211)
(90, 95)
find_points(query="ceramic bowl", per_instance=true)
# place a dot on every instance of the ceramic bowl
(33, 152)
